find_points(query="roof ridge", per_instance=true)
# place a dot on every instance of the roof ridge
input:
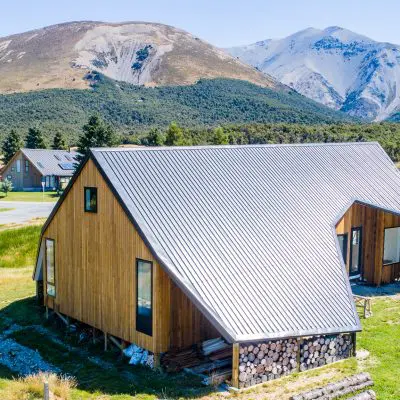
(228, 146)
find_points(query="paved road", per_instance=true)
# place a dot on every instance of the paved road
(23, 211)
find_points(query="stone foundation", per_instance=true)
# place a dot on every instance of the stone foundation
(264, 361)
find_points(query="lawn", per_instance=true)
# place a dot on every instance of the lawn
(29, 196)
(18, 246)
(107, 376)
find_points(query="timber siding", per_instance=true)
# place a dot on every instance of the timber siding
(30, 179)
(95, 272)
(373, 223)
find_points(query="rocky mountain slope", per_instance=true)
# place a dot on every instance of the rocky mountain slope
(336, 67)
(59, 56)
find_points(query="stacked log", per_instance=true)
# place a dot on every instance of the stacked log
(322, 350)
(341, 388)
(261, 362)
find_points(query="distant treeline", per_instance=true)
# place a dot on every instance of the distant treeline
(387, 134)
(132, 110)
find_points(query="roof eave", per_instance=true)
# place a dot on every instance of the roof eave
(296, 334)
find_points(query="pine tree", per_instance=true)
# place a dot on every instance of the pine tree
(59, 142)
(34, 139)
(220, 137)
(154, 138)
(174, 135)
(96, 134)
(10, 146)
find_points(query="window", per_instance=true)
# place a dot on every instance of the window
(26, 166)
(391, 248)
(355, 252)
(50, 268)
(18, 166)
(90, 199)
(343, 246)
(144, 297)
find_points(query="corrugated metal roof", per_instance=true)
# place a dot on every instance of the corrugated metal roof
(248, 231)
(51, 162)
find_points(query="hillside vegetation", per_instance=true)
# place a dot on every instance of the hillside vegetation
(134, 109)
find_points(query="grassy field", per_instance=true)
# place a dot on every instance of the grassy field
(29, 196)
(106, 376)
(18, 246)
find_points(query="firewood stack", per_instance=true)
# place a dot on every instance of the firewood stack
(319, 351)
(261, 362)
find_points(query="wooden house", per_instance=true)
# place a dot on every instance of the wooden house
(167, 247)
(30, 168)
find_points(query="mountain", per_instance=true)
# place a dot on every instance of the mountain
(139, 53)
(336, 67)
(132, 109)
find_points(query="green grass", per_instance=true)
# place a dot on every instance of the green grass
(380, 336)
(6, 209)
(18, 246)
(29, 196)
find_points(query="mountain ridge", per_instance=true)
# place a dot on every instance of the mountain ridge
(142, 53)
(334, 66)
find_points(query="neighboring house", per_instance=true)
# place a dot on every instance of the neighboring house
(166, 247)
(30, 167)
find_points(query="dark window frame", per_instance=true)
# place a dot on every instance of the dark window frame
(383, 256)
(143, 326)
(53, 283)
(26, 166)
(90, 210)
(346, 245)
(360, 266)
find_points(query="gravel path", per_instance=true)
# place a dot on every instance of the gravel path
(21, 359)
(23, 211)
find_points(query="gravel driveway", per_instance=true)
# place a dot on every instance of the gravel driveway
(23, 211)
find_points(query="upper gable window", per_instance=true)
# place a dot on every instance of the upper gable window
(90, 199)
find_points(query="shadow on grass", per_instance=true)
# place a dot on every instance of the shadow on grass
(74, 359)
(391, 289)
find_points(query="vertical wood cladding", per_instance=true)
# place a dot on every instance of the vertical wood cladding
(95, 272)
(373, 222)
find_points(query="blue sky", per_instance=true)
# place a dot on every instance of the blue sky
(223, 23)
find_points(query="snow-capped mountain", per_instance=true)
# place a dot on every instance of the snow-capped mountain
(334, 66)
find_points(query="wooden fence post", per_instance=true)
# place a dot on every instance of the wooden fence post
(46, 393)
(235, 365)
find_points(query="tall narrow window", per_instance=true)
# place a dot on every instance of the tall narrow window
(90, 199)
(355, 252)
(26, 166)
(50, 268)
(391, 252)
(18, 166)
(144, 297)
(343, 246)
